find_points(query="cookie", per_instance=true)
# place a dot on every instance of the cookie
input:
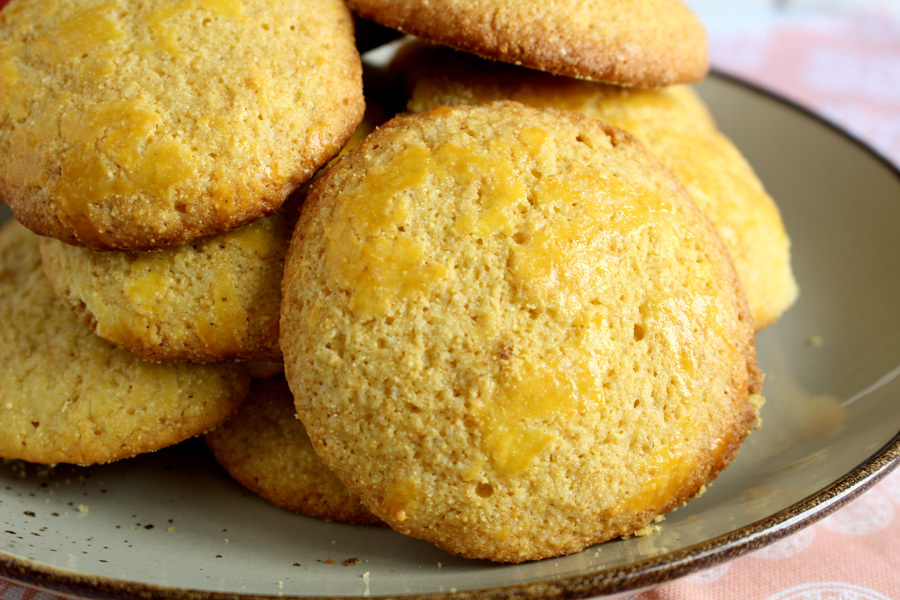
(215, 299)
(511, 332)
(646, 43)
(265, 448)
(133, 125)
(68, 396)
(674, 124)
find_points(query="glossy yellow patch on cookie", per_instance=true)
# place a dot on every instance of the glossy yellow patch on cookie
(514, 423)
(401, 497)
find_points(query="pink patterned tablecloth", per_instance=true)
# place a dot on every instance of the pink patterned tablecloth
(854, 554)
(844, 66)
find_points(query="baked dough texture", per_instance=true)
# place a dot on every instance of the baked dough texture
(645, 43)
(265, 448)
(215, 299)
(134, 125)
(511, 332)
(673, 123)
(68, 396)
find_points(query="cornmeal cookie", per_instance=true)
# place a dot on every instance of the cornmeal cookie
(511, 332)
(68, 396)
(215, 299)
(265, 448)
(644, 43)
(135, 125)
(674, 124)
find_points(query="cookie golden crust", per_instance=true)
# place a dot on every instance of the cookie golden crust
(215, 299)
(645, 43)
(135, 125)
(68, 396)
(673, 123)
(511, 332)
(265, 448)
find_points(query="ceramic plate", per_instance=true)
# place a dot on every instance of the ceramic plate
(173, 524)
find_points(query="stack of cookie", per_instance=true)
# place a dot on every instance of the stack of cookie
(508, 325)
(153, 149)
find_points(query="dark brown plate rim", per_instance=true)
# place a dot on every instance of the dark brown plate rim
(615, 580)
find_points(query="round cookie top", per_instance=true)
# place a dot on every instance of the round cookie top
(265, 448)
(673, 123)
(645, 43)
(69, 396)
(214, 299)
(136, 125)
(511, 332)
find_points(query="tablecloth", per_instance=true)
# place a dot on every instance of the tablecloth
(844, 64)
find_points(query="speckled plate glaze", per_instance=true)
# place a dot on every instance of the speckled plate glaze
(173, 525)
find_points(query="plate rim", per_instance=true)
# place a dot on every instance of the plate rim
(632, 577)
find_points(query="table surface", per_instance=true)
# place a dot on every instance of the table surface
(840, 59)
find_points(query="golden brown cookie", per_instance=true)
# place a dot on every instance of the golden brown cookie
(644, 43)
(674, 124)
(215, 299)
(511, 332)
(68, 396)
(136, 125)
(265, 448)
